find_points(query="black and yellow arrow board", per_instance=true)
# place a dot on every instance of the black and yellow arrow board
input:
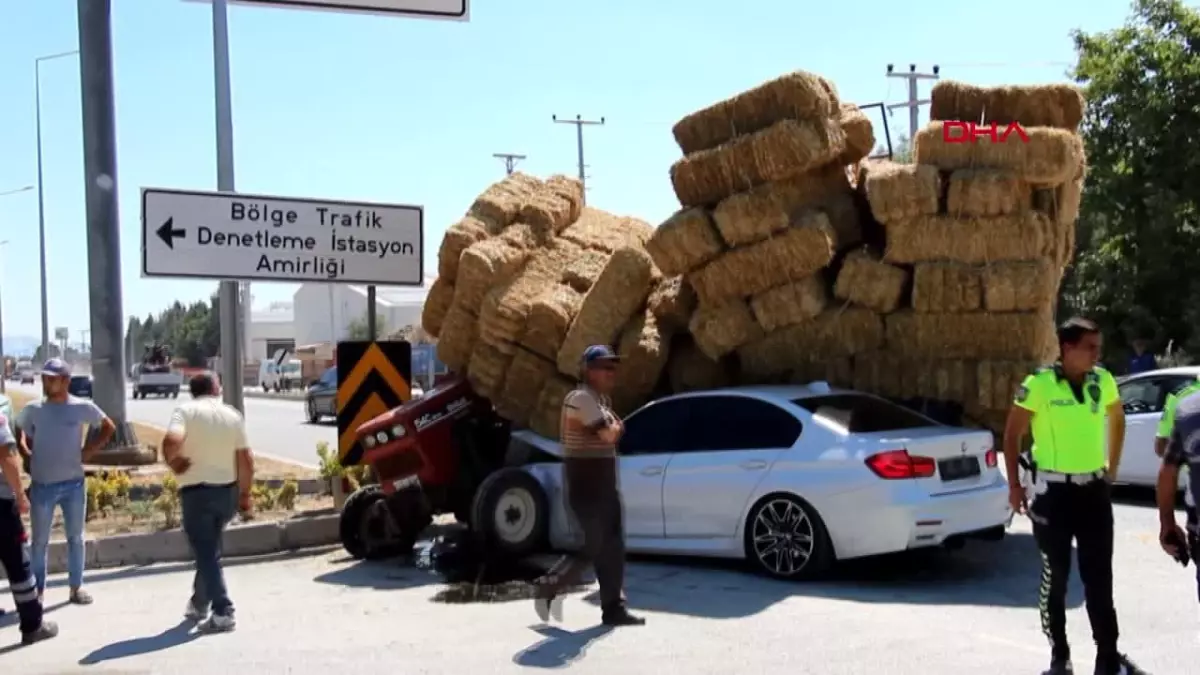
(373, 378)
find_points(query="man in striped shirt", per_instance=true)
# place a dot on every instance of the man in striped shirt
(590, 432)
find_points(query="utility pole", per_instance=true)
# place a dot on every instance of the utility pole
(915, 101)
(510, 161)
(579, 123)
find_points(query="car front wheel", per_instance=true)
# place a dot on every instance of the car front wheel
(786, 539)
(311, 411)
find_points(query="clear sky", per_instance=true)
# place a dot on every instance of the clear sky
(384, 109)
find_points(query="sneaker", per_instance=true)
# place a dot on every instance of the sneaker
(621, 617)
(1060, 667)
(80, 597)
(1117, 665)
(218, 623)
(548, 607)
(194, 613)
(47, 630)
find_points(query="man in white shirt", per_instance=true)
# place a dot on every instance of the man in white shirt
(206, 447)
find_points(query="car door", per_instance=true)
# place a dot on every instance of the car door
(652, 436)
(732, 441)
(325, 397)
(1143, 399)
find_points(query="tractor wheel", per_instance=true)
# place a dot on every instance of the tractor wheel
(369, 528)
(511, 514)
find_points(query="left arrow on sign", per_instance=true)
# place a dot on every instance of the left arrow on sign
(168, 233)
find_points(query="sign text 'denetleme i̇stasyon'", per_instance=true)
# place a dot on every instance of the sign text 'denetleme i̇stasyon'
(213, 235)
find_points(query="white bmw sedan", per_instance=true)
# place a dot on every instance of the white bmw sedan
(790, 478)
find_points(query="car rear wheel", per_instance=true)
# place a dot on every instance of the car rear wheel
(786, 539)
(370, 528)
(510, 513)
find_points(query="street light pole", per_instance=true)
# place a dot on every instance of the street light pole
(4, 375)
(37, 96)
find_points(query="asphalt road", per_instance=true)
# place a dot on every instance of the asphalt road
(934, 614)
(276, 426)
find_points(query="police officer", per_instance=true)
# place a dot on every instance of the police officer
(1182, 448)
(1163, 433)
(1065, 405)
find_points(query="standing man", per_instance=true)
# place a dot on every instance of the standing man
(53, 429)
(1067, 405)
(13, 556)
(1165, 425)
(1143, 360)
(1183, 449)
(206, 447)
(590, 431)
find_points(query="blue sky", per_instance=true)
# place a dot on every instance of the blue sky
(384, 109)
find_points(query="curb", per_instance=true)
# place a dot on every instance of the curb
(306, 487)
(319, 528)
(258, 393)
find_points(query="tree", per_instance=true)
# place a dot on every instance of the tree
(1139, 224)
(192, 333)
(902, 150)
(357, 330)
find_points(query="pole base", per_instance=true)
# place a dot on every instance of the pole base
(123, 449)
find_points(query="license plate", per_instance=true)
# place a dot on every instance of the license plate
(958, 468)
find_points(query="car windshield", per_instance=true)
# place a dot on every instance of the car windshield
(291, 368)
(859, 413)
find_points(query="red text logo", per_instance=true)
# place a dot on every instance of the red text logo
(970, 132)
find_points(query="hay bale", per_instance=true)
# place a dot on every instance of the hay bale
(457, 340)
(1045, 105)
(845, 219)
(783, 150)
(986, 193)
(837, 371)
(684, 242)
(1061, 205)
(976, 335)
(998, 382)
(868, 282)
(550, 317)
(860, 134)
(900, 191)
(485, 265)
(796, 253)
(1020, 287)
(599, 231)
(672, 302)
(644, 348)
(942, 288)
(501, 203)
(570, 189)
(612, 301)
(1050, 157)
(757, 214)
(1020, 236)
(883, 374)
(547, 212)
(835, 333)
(689, 369)
(527, 375)
(797, 95)
(457, 239)
(790, 303)
(719, 329)
(583, 271)
(437, 305)
(487, 368)
(505, 309)
(547, 415)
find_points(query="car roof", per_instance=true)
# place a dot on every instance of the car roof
(1191, 371)
(777, 393)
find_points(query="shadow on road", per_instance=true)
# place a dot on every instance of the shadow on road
(382, 575)
(559, 648)
(174, 636)
(9, 617)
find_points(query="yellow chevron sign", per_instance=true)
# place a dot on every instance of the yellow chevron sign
(375, 379)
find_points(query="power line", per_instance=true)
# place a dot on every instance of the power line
(579, 123)
(915, 101)
(510, 161)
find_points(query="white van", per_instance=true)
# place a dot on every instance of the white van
(280, 376)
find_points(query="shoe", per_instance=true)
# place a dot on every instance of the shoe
(80, 597)
(194, 613)
(47, 630)
(1118, 664)
(1060, 667)
(621, 617)
(219, 623)
(548, 606)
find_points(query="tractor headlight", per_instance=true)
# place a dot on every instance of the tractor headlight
(398, 431)
(368, 442)
(382, 437)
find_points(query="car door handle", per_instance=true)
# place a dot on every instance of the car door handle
(652, 471)
(753, 465)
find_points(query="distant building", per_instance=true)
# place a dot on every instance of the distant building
(271, 329)
(325, 312)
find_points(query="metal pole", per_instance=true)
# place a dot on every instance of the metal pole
(231, 316)
(579, 122)
(3, 358)
(37, 97)
(914, 108)
(103, 223)
(370, 312)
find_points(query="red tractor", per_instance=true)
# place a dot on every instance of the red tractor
(447, 452)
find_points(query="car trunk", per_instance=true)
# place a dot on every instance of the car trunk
(960, 455)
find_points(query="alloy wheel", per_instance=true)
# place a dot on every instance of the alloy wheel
(783, 537)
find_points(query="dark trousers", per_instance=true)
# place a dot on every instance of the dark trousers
(1083, 513)
(14, 555)
(207, 509)
(1193, 526)
(593, 499)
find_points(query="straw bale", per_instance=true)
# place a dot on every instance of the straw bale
(684, 242)
(837, 371)
(505, 309)
(546, 212)
(786, 149)
(458, 336)
(835, 333)
(672, 302)
(986, 193)
(1050, 157)
(600, 231)
(501, 203)
(976, 335)
(868, 282)
(883, 374)
(1020, 236)
(947, 288)
(843, 213)
(547, 415)
(798, 252)
(860, 134)
(527, 375)
(644, 348)
(797, 95)
(721, 328)
(569, 189)
(611, 302)
(790, 303)
(1061, 205)
(583, 271)
(1020, 287)
(998, 382)
(486, 369)
(484, 265)
(689, 369)
(900, 191)
(549, 318)
(437, 304)
(1046, 105)
(458, 237)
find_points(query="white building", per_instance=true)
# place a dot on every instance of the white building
(271, 329)
(325, 312)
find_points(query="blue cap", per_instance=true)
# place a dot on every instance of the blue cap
(56, 368)
(598, 353)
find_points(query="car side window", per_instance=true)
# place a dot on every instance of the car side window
(739, 423)
(1145, 395)
(655, 428)
(329, 379)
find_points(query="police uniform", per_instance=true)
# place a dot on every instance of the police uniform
(1181, 421)
(1071, 499)
(1165, 425)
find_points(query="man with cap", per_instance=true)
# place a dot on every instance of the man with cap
(53, 429)
(590, 431)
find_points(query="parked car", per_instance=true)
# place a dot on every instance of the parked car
(321, 398)
(26, 375)
(80, 385)
(1143, 397)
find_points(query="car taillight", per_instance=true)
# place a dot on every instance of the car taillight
(990, 458)
(898, 465)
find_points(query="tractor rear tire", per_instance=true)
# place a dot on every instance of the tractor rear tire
(374, 526)
(510, 513)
